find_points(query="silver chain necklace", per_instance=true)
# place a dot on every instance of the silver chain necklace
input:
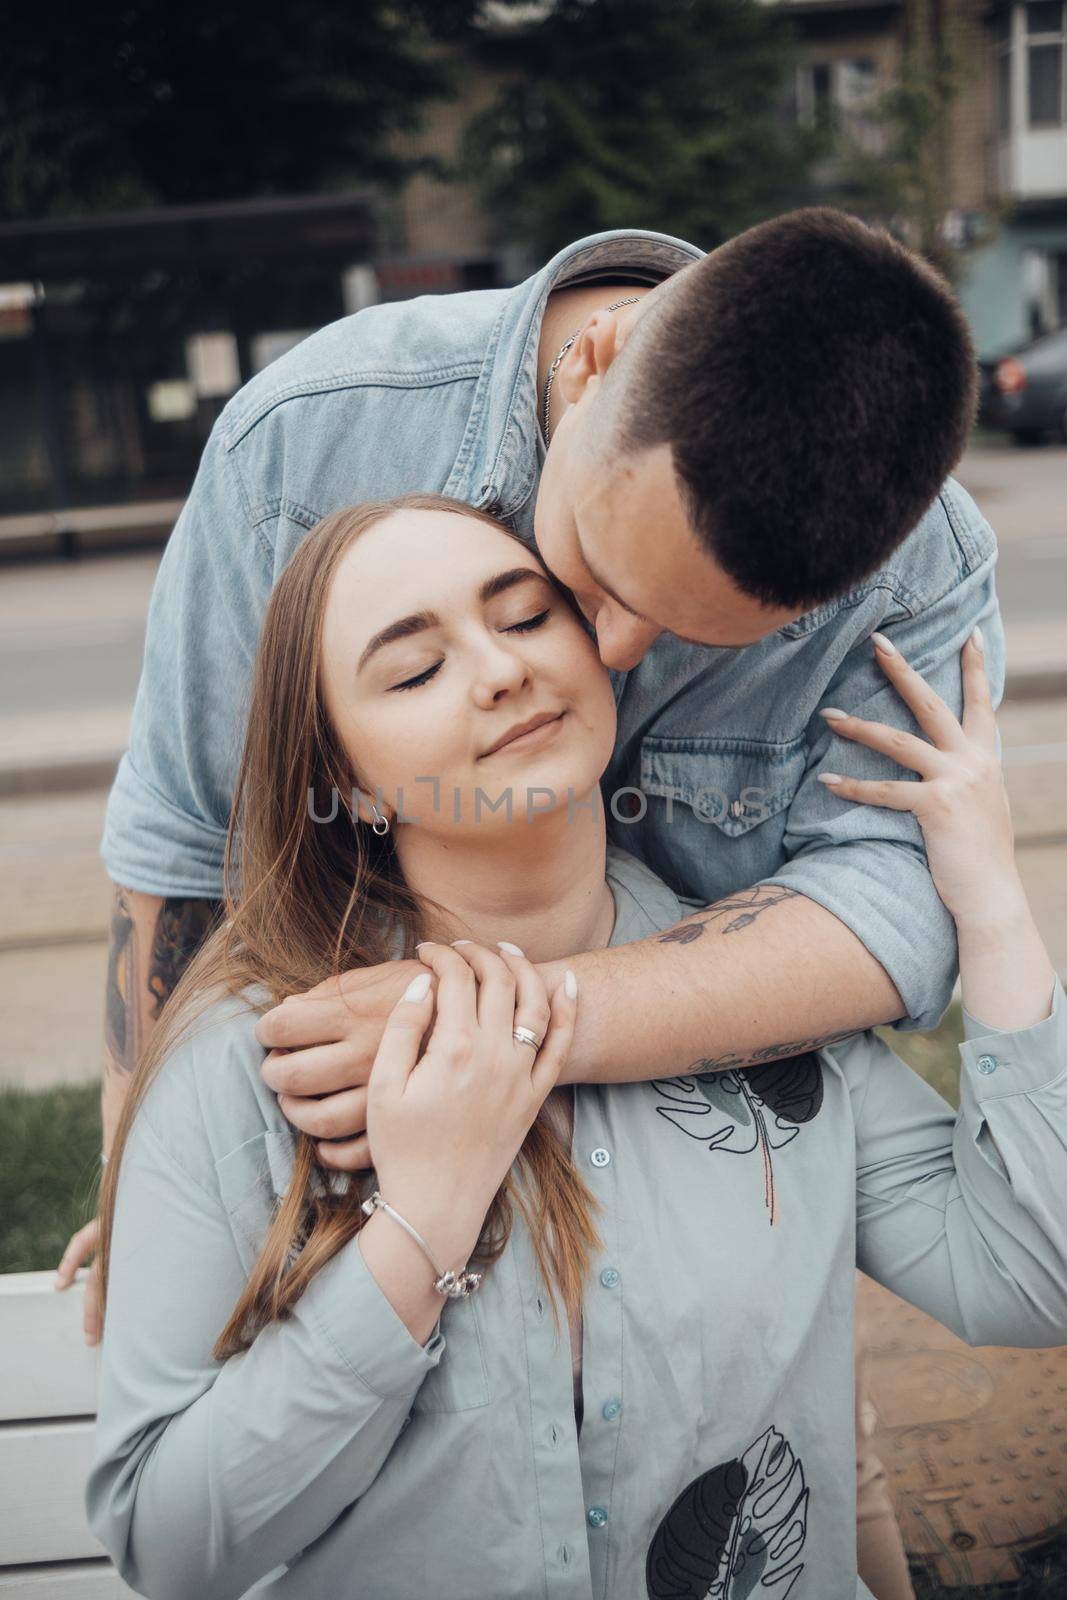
(631, 300)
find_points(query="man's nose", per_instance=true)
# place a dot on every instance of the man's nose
(622, 642)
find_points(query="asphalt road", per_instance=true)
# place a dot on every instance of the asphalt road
(72, 634)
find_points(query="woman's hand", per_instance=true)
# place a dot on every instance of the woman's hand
(961, 804)
(962, 808)
(446, 1121)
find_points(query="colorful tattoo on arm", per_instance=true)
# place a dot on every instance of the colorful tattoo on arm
(181, 928)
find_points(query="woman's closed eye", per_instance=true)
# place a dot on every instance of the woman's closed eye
(527, 626)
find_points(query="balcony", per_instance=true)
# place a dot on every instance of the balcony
(1030, 64)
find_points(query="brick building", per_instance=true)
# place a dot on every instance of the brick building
(999, 172)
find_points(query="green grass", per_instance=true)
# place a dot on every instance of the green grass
(50, 1148)
(49, 1171)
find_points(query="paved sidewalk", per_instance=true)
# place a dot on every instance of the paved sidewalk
(71, 641)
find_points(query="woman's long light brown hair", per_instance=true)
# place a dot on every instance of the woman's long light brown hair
(306, 900)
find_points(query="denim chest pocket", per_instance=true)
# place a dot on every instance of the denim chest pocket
(733, 785)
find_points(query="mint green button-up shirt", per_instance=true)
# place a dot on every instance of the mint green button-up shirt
(339, 1459)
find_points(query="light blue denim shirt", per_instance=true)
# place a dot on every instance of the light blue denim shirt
(338, 1457)
(438, 393)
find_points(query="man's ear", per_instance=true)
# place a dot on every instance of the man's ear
(587, 361)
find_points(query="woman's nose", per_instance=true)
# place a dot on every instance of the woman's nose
(500, 670)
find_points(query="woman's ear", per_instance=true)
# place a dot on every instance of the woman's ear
(369, 806)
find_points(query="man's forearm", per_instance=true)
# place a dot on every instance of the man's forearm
(151, 943)
(760, 975)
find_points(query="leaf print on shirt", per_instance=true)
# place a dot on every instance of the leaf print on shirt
(735, 1531)
(733, 1111)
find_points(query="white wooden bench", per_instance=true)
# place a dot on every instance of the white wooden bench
(47, 1408)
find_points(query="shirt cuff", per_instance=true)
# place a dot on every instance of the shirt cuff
(883, 892)
(154, 847)
(1017, 1061)
(352, 1310)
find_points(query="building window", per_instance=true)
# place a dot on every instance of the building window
(1004, 94)
(841, 95)
(1044, 63)
(1002, 71)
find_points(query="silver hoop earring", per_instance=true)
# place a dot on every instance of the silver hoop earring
(380, 825)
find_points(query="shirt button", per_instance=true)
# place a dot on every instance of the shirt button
(987, 1064)
(596, 1516)
(610, 1409)
(737, 808)
(600, 1157)
(610, 1277)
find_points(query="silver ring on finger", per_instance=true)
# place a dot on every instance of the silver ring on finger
(526, 1036)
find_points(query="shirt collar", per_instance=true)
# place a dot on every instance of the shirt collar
(498, 461)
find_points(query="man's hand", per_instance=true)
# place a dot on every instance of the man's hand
(322, 1046)
(84, 1244)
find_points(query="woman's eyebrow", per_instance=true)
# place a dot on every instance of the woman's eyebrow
(419, 621)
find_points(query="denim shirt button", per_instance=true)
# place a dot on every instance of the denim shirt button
(610, 1277)
(600, 1157)
(610, 1409)
(596, 1516)
(987, 1064)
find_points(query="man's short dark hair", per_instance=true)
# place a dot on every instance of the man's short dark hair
(816, 383)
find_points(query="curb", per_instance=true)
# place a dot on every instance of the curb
(1037, 683)
(59, 775)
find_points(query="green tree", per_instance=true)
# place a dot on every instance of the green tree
(133, 103)
(623, 113)
(906, 184)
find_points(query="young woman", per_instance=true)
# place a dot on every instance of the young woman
(304, 1390)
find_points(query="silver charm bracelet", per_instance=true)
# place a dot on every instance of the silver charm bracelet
(631, 300)
(454, 1285)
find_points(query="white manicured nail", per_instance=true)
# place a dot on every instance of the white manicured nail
(832, 714)
(512, 949)
(461, 941)
(417, 988)
(570, 985)
(884, 644)
(829, 777)
(976, 637)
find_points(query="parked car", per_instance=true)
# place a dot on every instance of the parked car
(1026, 394)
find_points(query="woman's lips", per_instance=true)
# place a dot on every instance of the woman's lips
(525, 741)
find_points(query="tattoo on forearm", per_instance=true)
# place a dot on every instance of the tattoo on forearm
(767, 1052)
(181, 928)
(122, 1017)
(737, 911)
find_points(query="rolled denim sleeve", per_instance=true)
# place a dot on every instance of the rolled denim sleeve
(207, 1476)
(868, 864)
(169, 805)
(962, 1214)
